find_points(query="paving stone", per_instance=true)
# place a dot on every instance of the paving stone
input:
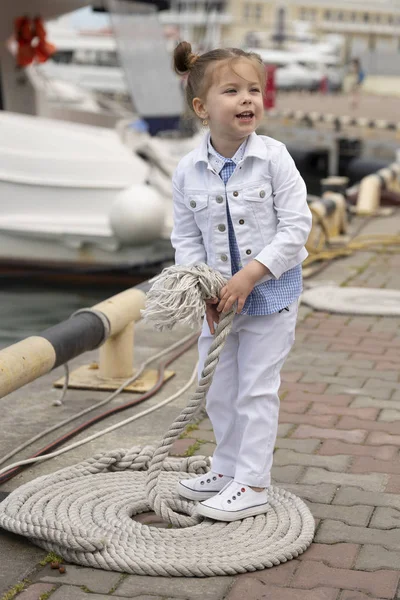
(351, 515)
(255, 590)
(373, 557)
(185, 588)
(374, 482)
(353, 595)
(290, 474)
(332, 463)
(331, 532)
(203, 434)
(364, 401)
(318, 408)
(368, 373)
(356, 436)
(379, 438)
(385, 518)
(373, 383)
(33, 592)
(383, 393)
(389, 415)
(353, 423)
(298, 406)
(180, 447)
(349, 496)
(364, 464)
(96, 580)
(280, 575)
(72, 592)
(291, 375)
(379, 335)
(341, 556)
(307, 446)
(343, 381)
(205, 450)
(323, 399)
(381, 583)
(360, 364)
(338, 347)
(315, 493)
(393, 486)
(334, 447)
(332, 357)
(317, 421)
(385, 366)
(315, 388)
(248, 590)
(283, 429)
(205, 424)
(323, 369)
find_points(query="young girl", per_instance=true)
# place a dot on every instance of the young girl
(240, 206)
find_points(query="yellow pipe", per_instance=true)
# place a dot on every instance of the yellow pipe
(23, 362)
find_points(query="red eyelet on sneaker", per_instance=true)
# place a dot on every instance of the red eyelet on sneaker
(243, 490)
(220, 475)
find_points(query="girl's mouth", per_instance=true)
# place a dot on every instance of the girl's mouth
(245, 116)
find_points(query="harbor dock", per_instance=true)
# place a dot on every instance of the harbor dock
(337, 449)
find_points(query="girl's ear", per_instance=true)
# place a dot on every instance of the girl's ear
(199, 108)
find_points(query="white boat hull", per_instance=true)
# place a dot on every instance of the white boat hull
(75, 194)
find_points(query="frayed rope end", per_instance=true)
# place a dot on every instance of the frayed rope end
(179, 293)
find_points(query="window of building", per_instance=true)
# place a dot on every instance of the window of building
(246, 11)
(259, 11)
(378, 18)
(353, 17)
(390, 19)
(371, 43)
(340, 16)
(366, 17)
(327, 15)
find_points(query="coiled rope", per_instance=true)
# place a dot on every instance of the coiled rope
(84, 513)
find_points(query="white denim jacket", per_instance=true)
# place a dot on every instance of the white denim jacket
(267, 201)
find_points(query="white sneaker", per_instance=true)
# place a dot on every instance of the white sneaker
(202, 487)
(236, 501)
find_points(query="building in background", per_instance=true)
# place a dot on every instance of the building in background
(367, 29)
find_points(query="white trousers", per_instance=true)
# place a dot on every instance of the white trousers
(243, 401)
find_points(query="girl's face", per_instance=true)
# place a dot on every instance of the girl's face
(233, 104)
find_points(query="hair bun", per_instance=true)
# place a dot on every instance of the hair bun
(184, 58)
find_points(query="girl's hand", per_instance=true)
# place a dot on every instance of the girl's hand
(240, 286)
(212, 315)
(237, 289)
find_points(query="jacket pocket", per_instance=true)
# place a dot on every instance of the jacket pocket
(259, 193)
(197, 204)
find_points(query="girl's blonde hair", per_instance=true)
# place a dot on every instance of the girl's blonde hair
(199, 78)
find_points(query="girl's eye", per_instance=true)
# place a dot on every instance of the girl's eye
(255, 90)
(230, 91)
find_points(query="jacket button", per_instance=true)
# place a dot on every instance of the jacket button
(224, 257)
(241, 221)
(248, 251)
(221, 227)
(236, 194)
(219, 199)
(193, 204)
(262, 194)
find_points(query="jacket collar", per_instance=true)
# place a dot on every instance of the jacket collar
(255, 147)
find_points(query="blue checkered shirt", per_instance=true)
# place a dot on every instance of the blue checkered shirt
(272, 295)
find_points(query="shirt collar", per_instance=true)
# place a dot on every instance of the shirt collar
(217, 161)
(254, 147)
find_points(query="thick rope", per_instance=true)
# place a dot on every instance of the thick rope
(84, 512)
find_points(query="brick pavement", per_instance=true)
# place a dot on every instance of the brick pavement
(337, 448)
